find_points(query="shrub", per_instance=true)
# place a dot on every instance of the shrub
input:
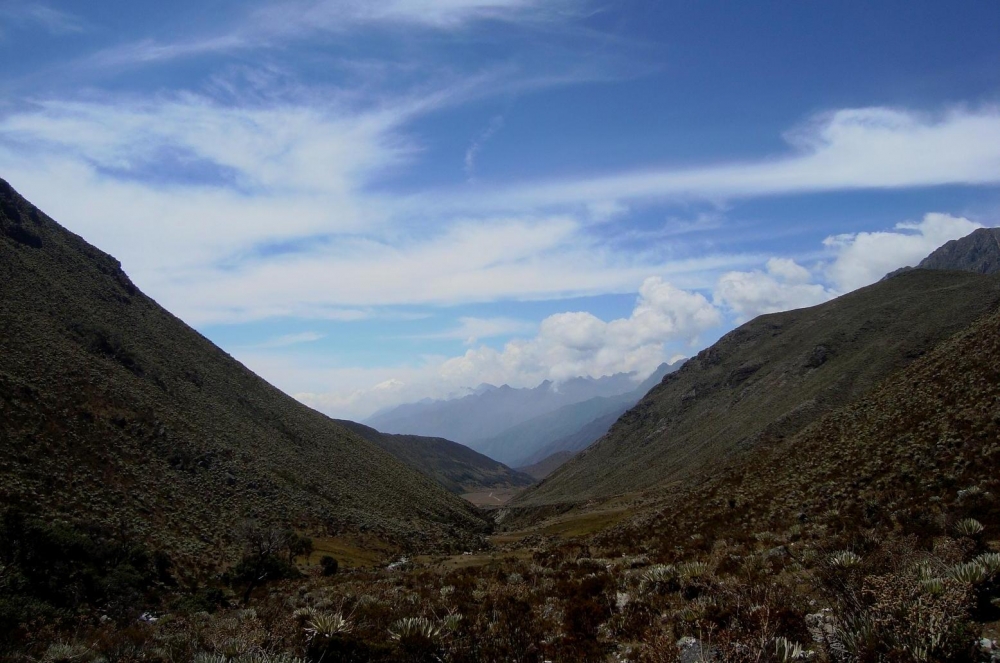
(328, 565)
(51, 569)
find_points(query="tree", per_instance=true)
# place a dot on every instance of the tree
(261, 560)
(298, 546)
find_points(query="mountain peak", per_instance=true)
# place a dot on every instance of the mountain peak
(977, 252)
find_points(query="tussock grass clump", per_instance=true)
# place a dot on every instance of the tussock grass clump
(786, 651)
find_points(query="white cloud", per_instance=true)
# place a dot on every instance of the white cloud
(495, 125)
(864, 148)
(52, 20)
(283, 222)
(783, 286)
(664, 320)
(288, 148)
(853, 261)
(566, 345)
(470, 329)
(864, 258)
(484, 260)
(273, 23)
(336, 15)
(287, 340)
(788, 271)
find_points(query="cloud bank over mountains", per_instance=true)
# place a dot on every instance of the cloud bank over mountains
(305, 180)
(665, 319)
(283, 225)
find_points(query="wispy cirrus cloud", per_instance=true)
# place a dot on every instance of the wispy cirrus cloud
(842, 150)
(272, 24)
(282, 221)
(287, 340)
(295, 16)
(471, 329)
(472, 153)
(37, 14)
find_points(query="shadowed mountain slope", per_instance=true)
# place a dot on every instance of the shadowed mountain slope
(115, 411)
(770, 378)
(455, 466)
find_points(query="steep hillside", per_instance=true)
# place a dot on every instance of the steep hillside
(114, 411)
(570, 428)
(869, 535)
(455, 466)
(916, 454)
(770, 378)
(488, 411)
(547, 465)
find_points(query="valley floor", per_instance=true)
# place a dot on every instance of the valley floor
(493, 498)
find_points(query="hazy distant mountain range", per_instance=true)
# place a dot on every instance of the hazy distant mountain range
(523, 426)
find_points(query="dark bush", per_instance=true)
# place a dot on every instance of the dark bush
(206, 599)
(328, 565)
(108, 343)
(55, 569)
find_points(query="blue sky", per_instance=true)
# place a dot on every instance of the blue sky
(373, 202)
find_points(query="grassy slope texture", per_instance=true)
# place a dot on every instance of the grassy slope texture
(770, 378)
(114, 411)
(915, 455)
(456, 467)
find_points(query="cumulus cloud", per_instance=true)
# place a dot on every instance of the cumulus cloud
(566, 345)
(579, 343)
(665, 319)
(863, 258)
(783, 285)
(852, 261)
